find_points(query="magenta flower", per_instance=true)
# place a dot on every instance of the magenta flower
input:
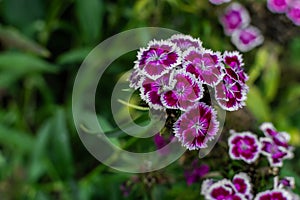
(206, 184)
(151, 90)
(160, 142)
(186, 91)
(279, 138)
(223, 189)
(275, 154)
(278, 6)
(135, 79)
(231, 93)
(247, 38)
(244, 146)
(184, 42)
(235, 61)
(158, 58)
(234, 18)
(276, 194)
(196, 172)
(242, 184)
(205, 65)
(196, 126)
(284, 183)
(293, 12)
(218, 2)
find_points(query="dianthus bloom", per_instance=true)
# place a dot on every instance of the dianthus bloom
(231, 92)
(276, 194)
(247, 38)
(234, 18)
(278, 6)
(196, 126)
(293, 12)
(185, 42)
(275, 145)
(244, 146)
(218, 2)
(158, 58)
(284, 183)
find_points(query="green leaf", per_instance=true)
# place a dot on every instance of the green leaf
(259, 64)
(257, 104)
(89, 14)
(73, 56)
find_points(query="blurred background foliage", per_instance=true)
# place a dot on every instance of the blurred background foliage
(43, 43)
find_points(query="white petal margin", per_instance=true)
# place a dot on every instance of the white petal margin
(286, 194)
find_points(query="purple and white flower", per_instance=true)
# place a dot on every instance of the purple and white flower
(206, 184)
(274, 153)
(135, 79)
(184, 42)
(151, 90)
(196, 126)
(223, 189)
(185, 92)
(293, 12)
(158, 58)
(205, 65)
(247, 38)
(244, 146)
(242, 184)
(284, 183)
(276, 194)
(278, 6)
(279, 138)
(219, 2)
(235, 17)
(235, 61)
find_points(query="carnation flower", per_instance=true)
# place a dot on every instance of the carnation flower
(184, 42)
(279, 138)
(234, 18)
(218, 2)
(205, 65)
(151, 90)
(206, 184)
(242, 184)
(244, 146)
(135, 79)
(276, 194)
(186, 91)
(196, 126)
(275, 154)
(284, 183)
(158, 58)
(293, 12)
(223, 189)
(277, 6)
(245, 39)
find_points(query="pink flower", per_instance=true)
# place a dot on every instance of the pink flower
(184, 42)
(247, 38)
(244, 146)
(284, 183)
(205, 65)
(276, 194)
(196, 126)
(186, 91)
(277, 6)
(293, 12)
(234, 18)
(135, 79)
(242, 184)
(218, 2)
(279, 138)
(158, 58)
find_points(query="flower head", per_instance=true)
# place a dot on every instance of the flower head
(242, 184)
(235, 61)
(234, 18)
(279, 138)
(196, 126)
(244, 146)
(184, 42)
(186, 91)
(293, 12)
(205, 65)
(284, 183)
(247, 38)
(135, 79)
(161, 142)
(278, 6)
(275, 154)
(158, 58)
(196, 172)
(276, 194)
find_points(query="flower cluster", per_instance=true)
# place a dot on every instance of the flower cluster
(240, 188)
(172, 74)
(247, 147)
(290, 7)
(236, 23)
